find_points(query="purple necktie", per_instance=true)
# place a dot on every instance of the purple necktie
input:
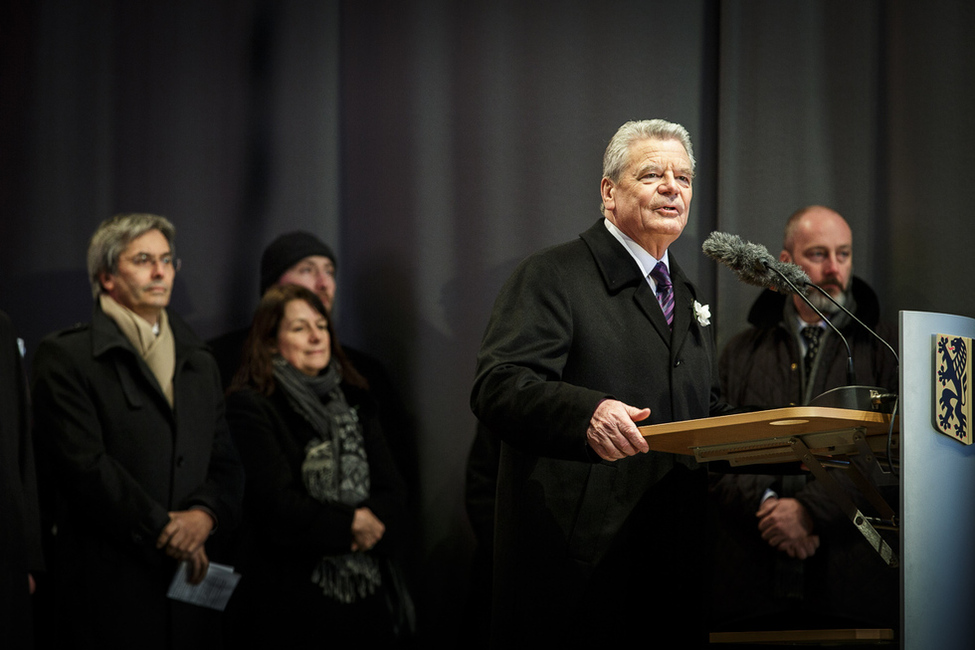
(665, 291)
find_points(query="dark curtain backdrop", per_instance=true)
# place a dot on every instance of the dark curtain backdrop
(434, 144)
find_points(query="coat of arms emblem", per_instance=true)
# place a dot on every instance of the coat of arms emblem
(953, 387)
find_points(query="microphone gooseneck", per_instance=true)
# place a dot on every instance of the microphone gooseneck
(885, 402)
(850, 372)
(862, 324)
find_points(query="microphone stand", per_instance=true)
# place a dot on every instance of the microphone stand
(850, 314)
(851, 378)
(851, 396)
(860, 398)
(890, 467)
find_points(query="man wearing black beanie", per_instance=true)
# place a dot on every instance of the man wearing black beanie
(297, 257)
(300, 258)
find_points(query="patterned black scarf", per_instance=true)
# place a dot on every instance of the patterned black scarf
(335, 469)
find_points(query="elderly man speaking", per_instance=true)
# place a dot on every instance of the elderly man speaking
(597, 538)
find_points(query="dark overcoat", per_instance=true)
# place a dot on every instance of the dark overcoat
(122, 459)
(577, 537)
(20, 529)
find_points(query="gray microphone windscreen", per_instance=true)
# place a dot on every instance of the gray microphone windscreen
(752, 263)
(794, 273)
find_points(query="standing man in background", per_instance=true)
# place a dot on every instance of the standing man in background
(292, 258)
(786, 555)
(130, 410)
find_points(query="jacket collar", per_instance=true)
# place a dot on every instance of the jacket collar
(615, 264)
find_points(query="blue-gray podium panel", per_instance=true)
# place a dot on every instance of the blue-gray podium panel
(937, 492)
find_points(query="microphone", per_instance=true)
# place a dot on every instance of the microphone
(752, 263)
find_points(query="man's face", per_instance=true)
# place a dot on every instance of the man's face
(822, 244)
(653, 196)
(315, 272)
(144, 280)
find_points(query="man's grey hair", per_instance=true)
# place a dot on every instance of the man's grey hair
(617, 154)
(112, 237)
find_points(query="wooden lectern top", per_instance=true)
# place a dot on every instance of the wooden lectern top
(825, 429)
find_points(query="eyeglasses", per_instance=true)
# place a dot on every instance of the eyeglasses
(144, 260)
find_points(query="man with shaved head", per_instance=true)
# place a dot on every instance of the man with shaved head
(807, 565)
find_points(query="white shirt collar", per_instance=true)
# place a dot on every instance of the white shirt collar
(801, 325)
(644, 260)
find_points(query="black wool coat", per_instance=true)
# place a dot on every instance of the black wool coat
(577, 536)
(286, 531)
(121, 459)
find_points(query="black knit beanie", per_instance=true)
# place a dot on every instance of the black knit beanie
(286, 251)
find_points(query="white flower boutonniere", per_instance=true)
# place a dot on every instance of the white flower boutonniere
(702, 313)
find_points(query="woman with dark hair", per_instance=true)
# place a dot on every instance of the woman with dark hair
(323, 502)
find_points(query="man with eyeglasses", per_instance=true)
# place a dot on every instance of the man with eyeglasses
(129, 411)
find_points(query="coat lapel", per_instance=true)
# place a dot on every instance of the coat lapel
(620, 270)
(647, 301)
(684, 297)
(105, 336)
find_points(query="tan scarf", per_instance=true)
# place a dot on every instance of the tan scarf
(158, 351)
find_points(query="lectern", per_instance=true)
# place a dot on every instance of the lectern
(936, 526)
